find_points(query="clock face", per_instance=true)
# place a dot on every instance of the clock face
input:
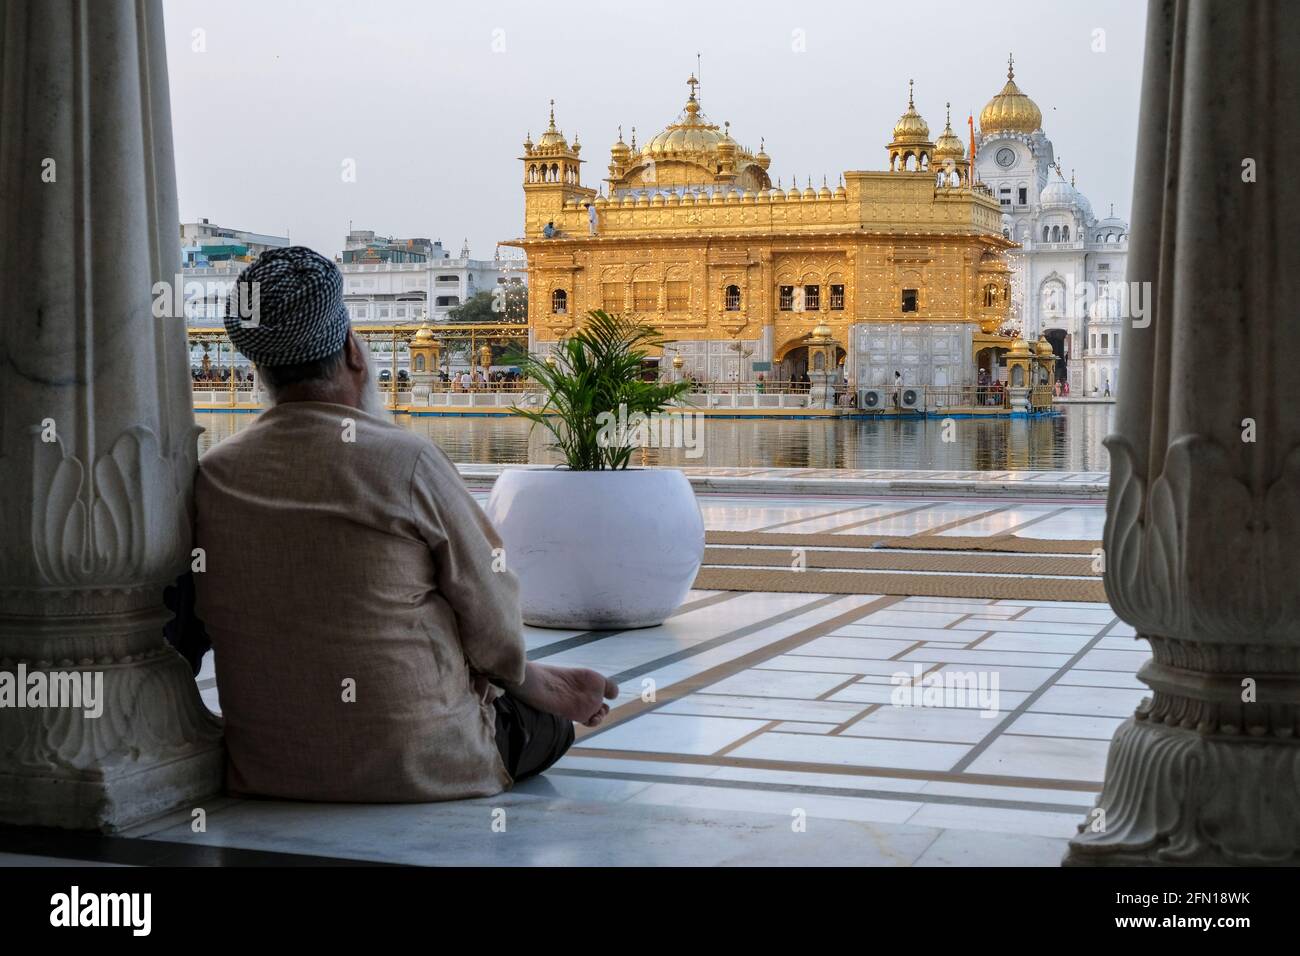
(1006, 157)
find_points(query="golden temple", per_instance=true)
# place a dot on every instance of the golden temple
(905, 265)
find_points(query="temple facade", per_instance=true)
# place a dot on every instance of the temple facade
(906, 265)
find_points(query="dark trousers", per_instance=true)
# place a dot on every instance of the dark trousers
(530, 740)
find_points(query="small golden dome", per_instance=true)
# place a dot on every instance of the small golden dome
(620, 151)
(1020, 349)
(424, 334)
(727, 142)
(762, 158)
(1011, 110)
(948, 145)
(821, 331)
(911, 128)
(552, 136)
(678, 361)
(1044, 348)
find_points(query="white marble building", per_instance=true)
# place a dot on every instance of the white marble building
(1069, 274)
(405, 293)
(399, 293)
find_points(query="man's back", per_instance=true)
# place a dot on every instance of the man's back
(332, 570)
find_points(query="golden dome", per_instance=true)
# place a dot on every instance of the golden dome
(620, 151)
(1044, 348)
(691, 135)
(693, 150)
(424, 334)
(762, 158)
(911, 128)
(1020, 349)
(552, 136)
(822, 331)
(1011, 110)
(948, 145)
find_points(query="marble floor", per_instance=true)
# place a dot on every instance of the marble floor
(759, 728)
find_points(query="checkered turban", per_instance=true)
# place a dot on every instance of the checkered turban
(287, 308)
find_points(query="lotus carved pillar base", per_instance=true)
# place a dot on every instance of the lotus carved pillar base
(1199, 776)
(145, 745)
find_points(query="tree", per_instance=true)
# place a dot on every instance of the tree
(503, 303)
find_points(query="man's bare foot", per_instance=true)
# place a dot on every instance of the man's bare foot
(573, 692)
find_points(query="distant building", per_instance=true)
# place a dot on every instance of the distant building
(384, 284)
(364, 247)
(204, 244)
(1070, 266)
(386, 281)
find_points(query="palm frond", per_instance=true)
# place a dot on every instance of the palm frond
(597, 370)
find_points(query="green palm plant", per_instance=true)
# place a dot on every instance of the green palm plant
(597, 371)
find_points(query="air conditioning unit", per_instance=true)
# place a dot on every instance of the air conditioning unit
(910, 398)
(871, 399)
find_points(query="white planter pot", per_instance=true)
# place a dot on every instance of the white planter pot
(598, 550)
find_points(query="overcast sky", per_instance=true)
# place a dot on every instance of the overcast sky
(432, 99)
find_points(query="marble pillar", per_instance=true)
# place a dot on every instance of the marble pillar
(1202, 539)
(97, 433)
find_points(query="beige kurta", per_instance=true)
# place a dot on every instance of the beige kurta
(365, 564)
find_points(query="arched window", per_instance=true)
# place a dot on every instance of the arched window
(559, 302)
(1046, 233)
(419, 363)
(990, 296)
(1065, 233)
(732, 298)
(1056, 233)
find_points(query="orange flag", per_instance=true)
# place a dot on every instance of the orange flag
(970, 121)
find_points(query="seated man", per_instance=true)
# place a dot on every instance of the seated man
(367, 634)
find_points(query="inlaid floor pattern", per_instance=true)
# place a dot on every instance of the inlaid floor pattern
(760, 727)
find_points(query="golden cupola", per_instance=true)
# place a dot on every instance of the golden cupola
(552, 139)
(910, 149)
(948, 145)
(1011, 111)
(619, 156)
(911, 127)
(950, 155)
(691, 151)
(620, 151)
(552, 161)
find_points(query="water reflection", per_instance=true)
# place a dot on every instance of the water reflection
(1070, 441)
